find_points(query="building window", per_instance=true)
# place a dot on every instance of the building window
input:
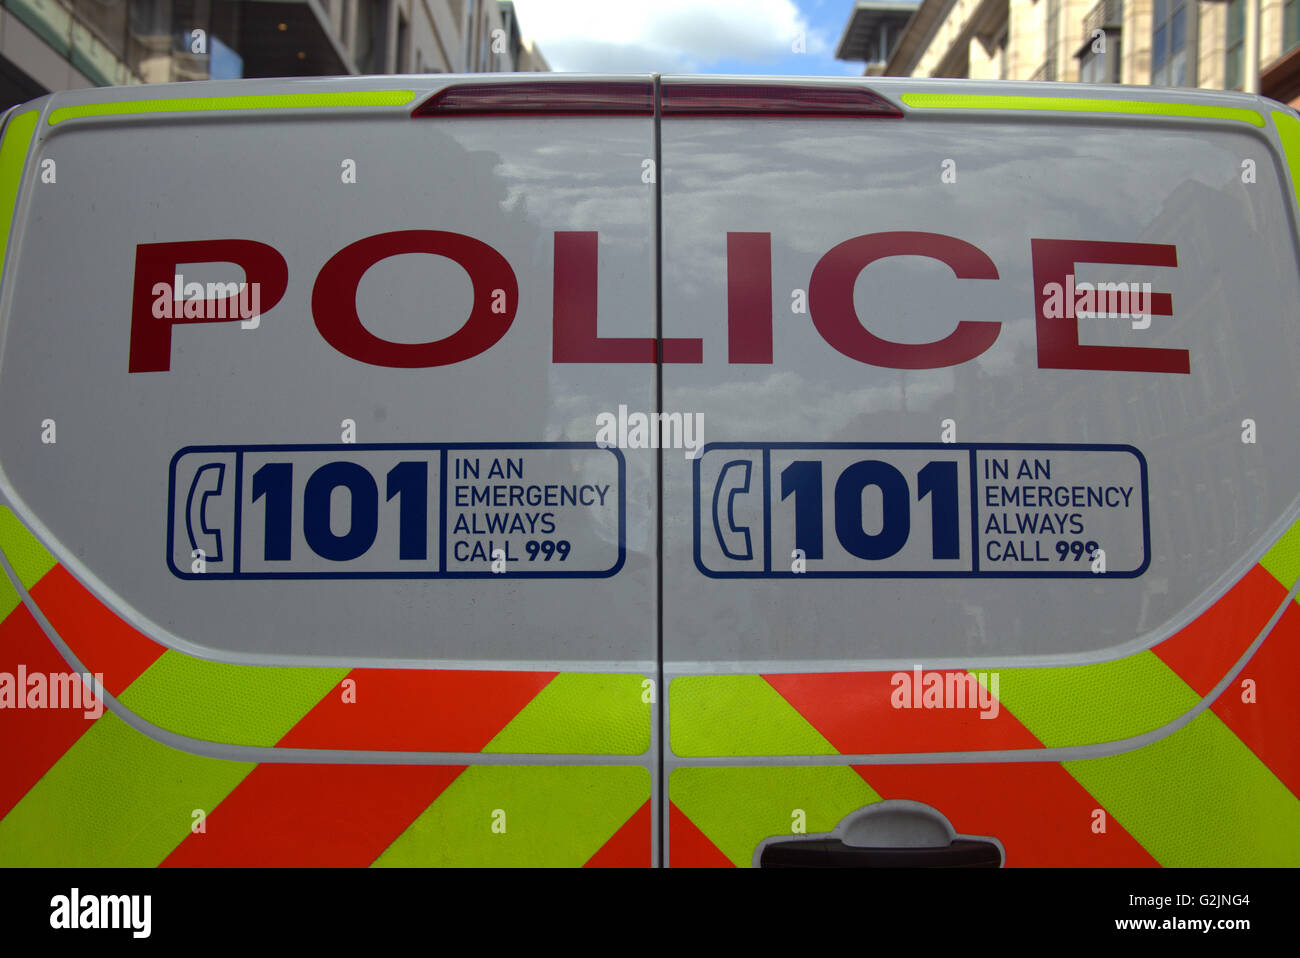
(372, 30)
(1171, 59)
(1290, 24)
(1053, 33)
(1100, 56)
(403, 45)
(1235, 43)
(1100, 60)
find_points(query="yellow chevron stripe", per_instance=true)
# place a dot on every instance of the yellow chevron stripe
(738, 807)
(115, 798)
(580, 713)
(724, 715)
(1282, 561)
(29, 559)
(1198, 797)
(503, 816)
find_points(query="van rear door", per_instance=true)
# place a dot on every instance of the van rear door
(352, 507)
(975, 531)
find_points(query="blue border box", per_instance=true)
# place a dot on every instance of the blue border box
(972, 450)
(442, 448)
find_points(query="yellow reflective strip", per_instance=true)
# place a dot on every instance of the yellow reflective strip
(736, 808)
(1198, 797)
(115, 798)
(1288, 131)
(283, 101)
(13, 157)
(580, 714)
(231, 704)
(722, 715)
(979, 101)
(511, 816)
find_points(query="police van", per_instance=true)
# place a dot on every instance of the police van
(649, 470)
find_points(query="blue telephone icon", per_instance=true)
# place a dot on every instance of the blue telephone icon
(207, 483)
(734, 479)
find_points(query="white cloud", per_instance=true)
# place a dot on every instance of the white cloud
(667, 36)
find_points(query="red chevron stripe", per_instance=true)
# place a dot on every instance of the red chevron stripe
(1210, 646)
(101, 640)
(314, 815)
(1036, 809)
(34, 739)
(853, 711)
(1040, 813)
(395, 709)
(348, 814)
(629, 847)
(688, 847)
(1267, 725)
(417, 710)
(1205, 649)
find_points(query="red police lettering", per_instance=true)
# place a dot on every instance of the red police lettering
(155, 264)
(749, 297)
(1058, 337)
(573, 318)
(334, 299)
(830, 300)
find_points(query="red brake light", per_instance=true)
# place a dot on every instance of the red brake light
(691, 98)
(542, 98)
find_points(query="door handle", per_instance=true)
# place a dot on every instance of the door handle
(833, 853)
(889, 834)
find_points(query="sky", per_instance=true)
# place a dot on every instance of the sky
(689, 36)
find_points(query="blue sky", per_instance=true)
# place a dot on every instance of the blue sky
(689, 36)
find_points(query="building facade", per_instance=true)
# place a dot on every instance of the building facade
(1189, 43)
(48, 45)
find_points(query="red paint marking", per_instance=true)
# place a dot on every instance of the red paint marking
(314, 815)
(688, 846)
(34, 739)
(101, 640)
(853, 710)
(629, 847)
(417, 710)
(1039, 812)
(1204, 650)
